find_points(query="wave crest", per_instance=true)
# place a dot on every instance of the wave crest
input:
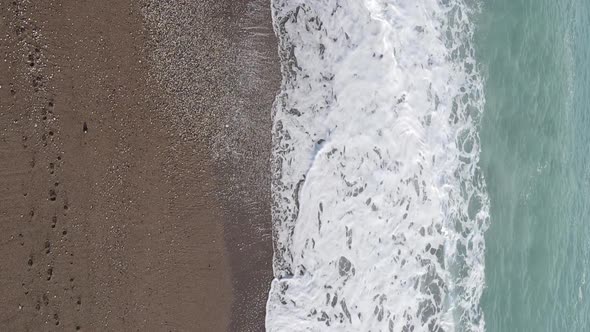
(379, 207)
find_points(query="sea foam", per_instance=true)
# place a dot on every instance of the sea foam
(379, 207)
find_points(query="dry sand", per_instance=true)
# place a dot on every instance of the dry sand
(134, 164)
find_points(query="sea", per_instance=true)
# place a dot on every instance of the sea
(431, 166)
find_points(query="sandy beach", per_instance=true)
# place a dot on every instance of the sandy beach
(134, 165)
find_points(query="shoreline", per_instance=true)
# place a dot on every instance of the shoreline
(246, 76)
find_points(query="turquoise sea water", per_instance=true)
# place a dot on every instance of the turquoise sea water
(535, 154)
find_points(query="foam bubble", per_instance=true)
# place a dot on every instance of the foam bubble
(379, 207)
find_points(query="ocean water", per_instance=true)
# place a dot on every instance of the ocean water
(429, 166)
(535, 140)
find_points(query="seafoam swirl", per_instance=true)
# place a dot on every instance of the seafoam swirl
(379, 207)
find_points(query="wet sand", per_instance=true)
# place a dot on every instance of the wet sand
(134, 165)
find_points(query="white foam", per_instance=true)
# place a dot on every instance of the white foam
(379, 207)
